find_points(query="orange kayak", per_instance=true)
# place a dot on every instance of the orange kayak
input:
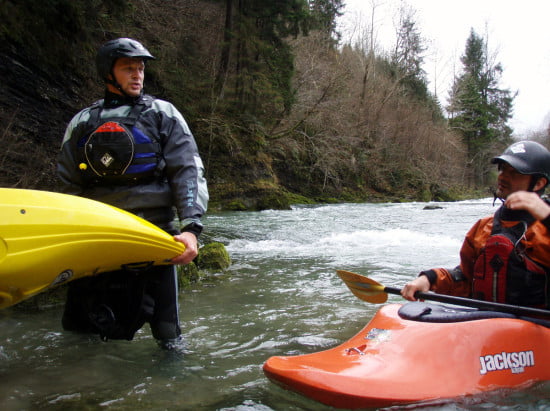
(436, 352)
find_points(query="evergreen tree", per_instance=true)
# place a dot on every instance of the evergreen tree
(479, 109)
(407, 61)
(323, 17)
(408, 55)
(256, 65)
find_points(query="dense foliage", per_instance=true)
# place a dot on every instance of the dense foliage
(276, 103)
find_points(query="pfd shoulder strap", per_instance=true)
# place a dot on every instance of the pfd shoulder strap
(144, 102)
(506, 214)
(513, 233)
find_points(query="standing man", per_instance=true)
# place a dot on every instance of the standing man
(137, 153)
(506, 257)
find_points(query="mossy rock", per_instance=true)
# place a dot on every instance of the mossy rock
(294, 198)
(214, 257)
(188, 274)
(273, 201)
(235, 205)
(432, 207)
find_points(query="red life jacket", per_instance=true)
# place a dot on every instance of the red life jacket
(504, 273)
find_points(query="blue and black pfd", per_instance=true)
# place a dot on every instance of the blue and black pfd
(115, 151)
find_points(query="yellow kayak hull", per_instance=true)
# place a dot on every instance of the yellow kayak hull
(47, 239)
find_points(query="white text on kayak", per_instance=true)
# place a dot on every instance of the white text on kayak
(514, 361)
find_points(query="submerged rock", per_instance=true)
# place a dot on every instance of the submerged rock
(432, 207)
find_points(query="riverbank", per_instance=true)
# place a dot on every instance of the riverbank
(263, 196)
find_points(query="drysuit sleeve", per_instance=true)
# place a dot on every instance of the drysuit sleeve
(458, 281)
(67, 167)
(184, 168)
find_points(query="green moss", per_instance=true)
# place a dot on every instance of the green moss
(273, 201)
(188, 274)
(235, 205)
(425, 195)
(294, 198)
(213, 256)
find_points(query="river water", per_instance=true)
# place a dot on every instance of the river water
(283, 297)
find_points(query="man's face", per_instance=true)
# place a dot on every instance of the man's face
(510, 180)
(129, 74)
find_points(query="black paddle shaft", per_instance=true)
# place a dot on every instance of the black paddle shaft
(468, 302)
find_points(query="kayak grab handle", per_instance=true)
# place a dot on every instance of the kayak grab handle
(137, 267)
(355, 350)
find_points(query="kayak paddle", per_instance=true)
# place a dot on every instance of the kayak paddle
(373, 292)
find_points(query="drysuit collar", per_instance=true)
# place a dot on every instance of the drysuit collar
(116, 100)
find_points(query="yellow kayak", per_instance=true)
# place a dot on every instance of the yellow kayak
(47, 239)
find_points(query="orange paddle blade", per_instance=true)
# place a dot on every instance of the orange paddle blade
(363, 287)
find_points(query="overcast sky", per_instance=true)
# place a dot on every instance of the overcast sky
(518, 34)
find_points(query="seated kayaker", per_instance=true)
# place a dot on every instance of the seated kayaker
(506, 257)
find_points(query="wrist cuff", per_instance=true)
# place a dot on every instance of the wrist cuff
(431, 275)
(194, 228)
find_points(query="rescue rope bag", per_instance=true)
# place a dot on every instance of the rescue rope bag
(115, 151)
(504, 273)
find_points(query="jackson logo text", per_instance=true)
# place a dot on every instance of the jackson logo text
(513, 361)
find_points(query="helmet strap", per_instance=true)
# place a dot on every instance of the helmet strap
(112, 81)
(116, 85)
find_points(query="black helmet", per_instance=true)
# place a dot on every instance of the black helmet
(113, 49)
(527, 157)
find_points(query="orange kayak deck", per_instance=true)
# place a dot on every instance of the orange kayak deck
(395, 361)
